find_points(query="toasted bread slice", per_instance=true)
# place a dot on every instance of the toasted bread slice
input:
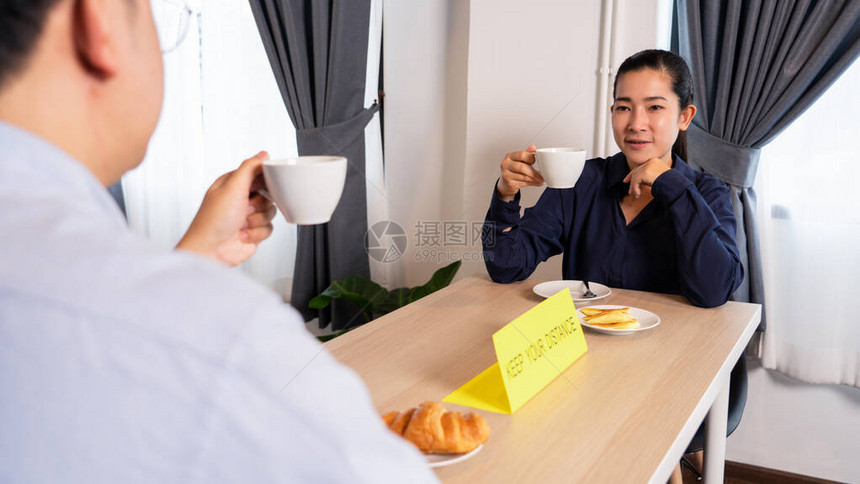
(610, 318)
(630, 325)
(597, 311)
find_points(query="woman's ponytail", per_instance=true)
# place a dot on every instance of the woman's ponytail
(680, 146)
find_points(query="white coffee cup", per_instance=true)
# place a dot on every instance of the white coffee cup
(306, 189)
(560, 167)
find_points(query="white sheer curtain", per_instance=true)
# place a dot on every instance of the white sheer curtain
(221, 105)
(377, 193)
(809, 213)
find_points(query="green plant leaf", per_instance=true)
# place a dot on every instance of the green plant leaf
(355, 288)
(440, 279)
(395, 299)
(319, 302)
(332, 336)
(375, 300)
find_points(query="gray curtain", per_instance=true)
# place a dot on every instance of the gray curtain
(318, 53)
(757, 65)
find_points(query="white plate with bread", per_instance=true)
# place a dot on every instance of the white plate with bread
(443, 437)
(441, 460)
(617, 320)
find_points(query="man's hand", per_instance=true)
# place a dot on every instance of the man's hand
(645, 174)
(517, 172)
(229, 224)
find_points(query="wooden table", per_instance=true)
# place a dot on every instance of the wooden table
(624, 412)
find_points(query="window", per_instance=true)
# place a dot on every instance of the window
(221, 105)
(809, 215)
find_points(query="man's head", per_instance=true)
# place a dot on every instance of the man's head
(21, 22)
(84, 74)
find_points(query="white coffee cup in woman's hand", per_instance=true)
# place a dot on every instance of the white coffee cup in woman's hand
(560, 167)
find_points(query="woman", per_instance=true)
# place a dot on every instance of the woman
(642, 219)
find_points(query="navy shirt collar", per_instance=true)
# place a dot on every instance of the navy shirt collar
(616, 170)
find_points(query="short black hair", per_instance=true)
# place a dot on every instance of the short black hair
(21, 25)
(665, 61)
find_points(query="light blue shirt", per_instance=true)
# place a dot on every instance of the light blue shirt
(122, 362)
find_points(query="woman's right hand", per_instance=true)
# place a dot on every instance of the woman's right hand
(518, 172)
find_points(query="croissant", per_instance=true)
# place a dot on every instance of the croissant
(436, 431)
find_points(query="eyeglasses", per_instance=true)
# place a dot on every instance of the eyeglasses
(172, 18)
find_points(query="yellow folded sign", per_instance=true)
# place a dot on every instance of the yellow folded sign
(531, 351)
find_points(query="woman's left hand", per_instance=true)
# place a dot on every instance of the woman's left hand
(645, 174)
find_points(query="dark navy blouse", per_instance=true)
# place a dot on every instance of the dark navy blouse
(682, 242)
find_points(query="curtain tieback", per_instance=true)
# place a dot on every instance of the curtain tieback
(334, 138)
(733, 164)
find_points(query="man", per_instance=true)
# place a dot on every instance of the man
(120, 362)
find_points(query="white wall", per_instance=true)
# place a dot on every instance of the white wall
(418, 75)
(468, 81)
(532, 80)
(465, 83)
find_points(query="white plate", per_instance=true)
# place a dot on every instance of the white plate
(441, 460)
(577, 289)
(647, 320)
